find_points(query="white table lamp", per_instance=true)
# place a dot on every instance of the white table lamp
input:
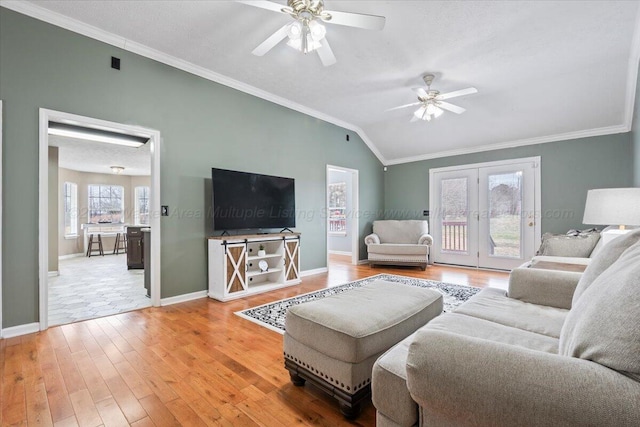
(613, 206)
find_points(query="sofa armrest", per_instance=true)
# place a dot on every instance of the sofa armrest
(425, 239)
(372, 239)
(552, 288)
(461, 381)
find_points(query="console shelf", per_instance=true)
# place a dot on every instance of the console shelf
(233, 264)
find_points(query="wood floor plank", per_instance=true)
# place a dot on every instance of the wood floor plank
(158, 412)
(85, 410)
(110, 413)
(193, 363)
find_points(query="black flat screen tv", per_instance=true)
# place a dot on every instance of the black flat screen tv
(244, 200)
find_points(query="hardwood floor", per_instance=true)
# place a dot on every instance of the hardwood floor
(190, 364)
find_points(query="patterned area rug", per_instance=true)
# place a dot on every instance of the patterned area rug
(272, 315)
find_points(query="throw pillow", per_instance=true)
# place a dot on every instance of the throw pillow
(603, 325)
(603, 259)
(569, 245)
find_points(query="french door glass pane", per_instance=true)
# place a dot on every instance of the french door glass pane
(505, 214)
(454, 201)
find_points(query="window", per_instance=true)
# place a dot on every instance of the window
(337, 208)
(106, 203)
(70, 201)
(142, 205)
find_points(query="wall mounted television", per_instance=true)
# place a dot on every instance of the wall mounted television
(243, 200)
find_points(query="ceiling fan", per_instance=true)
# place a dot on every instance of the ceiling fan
(307, 32)
(432, 103)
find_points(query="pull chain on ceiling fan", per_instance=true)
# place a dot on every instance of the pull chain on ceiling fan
(431, 102)
(307, 32)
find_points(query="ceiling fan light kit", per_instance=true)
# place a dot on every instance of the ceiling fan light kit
(307, 32)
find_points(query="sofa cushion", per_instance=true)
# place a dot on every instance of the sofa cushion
(334, 325)
(569, 245)
(604, 324)
(390, 394)
(605, 258)
(398, 249)
(400, 231)
(493, 304)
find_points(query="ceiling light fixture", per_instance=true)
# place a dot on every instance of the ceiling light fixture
(71, 131)
(305, 35)
(117, 169)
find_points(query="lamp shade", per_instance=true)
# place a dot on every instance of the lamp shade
(612, 206)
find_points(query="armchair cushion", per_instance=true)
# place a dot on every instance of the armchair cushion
(400, 231)
(398, 249)
(603, 324)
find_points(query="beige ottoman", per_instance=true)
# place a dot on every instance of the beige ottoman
(334, 342)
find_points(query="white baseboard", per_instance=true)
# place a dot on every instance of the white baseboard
(183, 298)
(16, 331)
(340, 253)
(63, 257)
(314, 271)
(53, 273)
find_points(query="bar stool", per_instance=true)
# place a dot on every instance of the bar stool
(96, 242)
(121, 243)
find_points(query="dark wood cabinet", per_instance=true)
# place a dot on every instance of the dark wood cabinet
(135, 248)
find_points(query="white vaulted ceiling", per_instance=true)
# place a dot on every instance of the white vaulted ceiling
(544, 70)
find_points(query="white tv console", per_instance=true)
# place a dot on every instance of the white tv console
(234, 270)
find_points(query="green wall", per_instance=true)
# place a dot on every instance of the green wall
(203, 125)
(568, 170)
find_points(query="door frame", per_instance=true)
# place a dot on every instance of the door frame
(536, 160)
(47, 115)
(1, 204)
(355, 203)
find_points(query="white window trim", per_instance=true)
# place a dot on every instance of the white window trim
(136, 201)
(74, 210)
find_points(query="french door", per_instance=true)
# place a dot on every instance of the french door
(485, 215)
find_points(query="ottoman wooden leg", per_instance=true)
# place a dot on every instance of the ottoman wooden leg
(350, 412)
(296, 379)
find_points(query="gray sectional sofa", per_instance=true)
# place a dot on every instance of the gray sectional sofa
(502, 361)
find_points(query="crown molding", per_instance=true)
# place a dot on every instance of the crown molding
(609, 130)
(95, 33)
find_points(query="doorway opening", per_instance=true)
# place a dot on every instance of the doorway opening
(342, 219)
(99, 205)
(486, 215)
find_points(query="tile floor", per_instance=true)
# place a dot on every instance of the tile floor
(95, 287)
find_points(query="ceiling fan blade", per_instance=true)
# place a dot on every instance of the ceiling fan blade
(413, 119)
(263, 4)
(450, 107)
(326, 54)
(422, 93)
(461, 92)
(404, 106)
(271, 41)
(359, 20)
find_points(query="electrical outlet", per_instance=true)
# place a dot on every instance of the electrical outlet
(425, 213)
